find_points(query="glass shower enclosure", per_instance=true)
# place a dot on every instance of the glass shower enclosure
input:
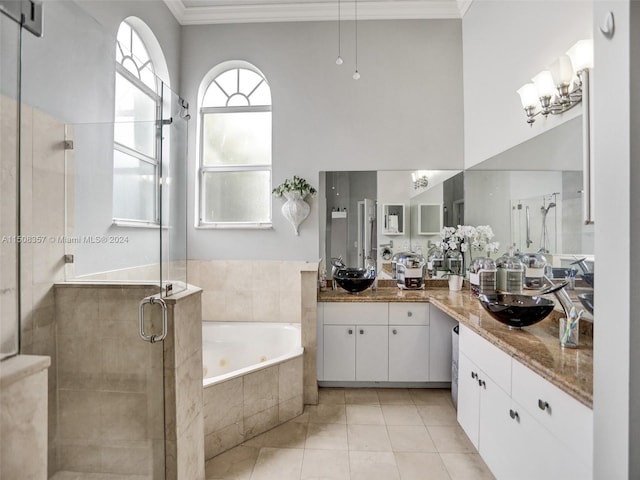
(10, 45)
(106, 384)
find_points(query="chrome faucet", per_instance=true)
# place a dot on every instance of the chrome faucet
(336, 264)
(561, 294)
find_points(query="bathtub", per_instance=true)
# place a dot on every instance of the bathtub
(252, 380)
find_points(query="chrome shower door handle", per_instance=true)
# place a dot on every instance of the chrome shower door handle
(152, 301)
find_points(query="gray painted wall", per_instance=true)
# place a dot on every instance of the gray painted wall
(404, 113)
(69, 73)
(505, 44)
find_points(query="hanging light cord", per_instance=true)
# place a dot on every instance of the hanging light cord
(356, 74)
(339, 59)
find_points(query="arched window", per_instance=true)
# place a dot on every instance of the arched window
(235, 148)
(136, 144)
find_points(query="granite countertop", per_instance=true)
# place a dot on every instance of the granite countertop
(537, 346)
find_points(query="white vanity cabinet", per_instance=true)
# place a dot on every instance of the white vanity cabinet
(484, 382)
(382, 342)
(408, 342)
(355, 341)
(523, 426)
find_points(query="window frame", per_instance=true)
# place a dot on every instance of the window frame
(154, 160)
(204, 169)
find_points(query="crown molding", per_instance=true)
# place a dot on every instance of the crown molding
(315, 11)
(463, 6)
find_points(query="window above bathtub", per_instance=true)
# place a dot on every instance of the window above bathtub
(235, 148)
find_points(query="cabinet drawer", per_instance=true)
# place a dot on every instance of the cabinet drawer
(365, 313)
(408, 313)
(566, 418)
(493, 361)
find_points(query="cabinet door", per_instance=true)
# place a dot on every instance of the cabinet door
(339, 352)
(372, 353)
(468, 398)
(409, 353)
(496, 441)
(566, 418)
(441, 325)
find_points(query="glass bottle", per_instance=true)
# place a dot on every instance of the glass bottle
(482, 277)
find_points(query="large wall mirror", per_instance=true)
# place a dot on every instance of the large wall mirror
(531, 195)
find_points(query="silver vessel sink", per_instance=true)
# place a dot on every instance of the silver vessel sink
(517, 311)
(354, 280)
(586, 299)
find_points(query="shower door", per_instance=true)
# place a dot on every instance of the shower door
(10, 46)
(173, 193)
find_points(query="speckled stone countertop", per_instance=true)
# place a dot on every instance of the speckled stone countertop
(536, 346)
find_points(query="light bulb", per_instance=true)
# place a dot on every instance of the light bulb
(339, 60)
(528, 95)
(356, 75)
(544, 84)
(561, 70)
(581, 55)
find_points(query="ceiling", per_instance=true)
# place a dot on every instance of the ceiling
(201, 12)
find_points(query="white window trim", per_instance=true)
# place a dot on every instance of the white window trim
(155, 160)
(201, 224)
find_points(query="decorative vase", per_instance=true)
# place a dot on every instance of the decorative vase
(454, 262)
(295, 209)
(455, 282)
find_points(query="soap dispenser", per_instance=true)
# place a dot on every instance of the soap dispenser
(510, 271)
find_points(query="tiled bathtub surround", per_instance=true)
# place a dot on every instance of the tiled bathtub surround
(241, 408)
(263, 291)
(249, 291)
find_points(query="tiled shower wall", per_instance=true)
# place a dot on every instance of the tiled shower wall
(42, 215)
(263, 291)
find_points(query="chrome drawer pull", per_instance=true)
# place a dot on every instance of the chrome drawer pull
(350, 332)
(542, 405)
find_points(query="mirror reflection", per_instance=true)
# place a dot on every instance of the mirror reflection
(531, 196)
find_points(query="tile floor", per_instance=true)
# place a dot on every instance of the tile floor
(360, 434)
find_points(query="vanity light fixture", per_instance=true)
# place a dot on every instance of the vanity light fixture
(561, 86)
(419, 179)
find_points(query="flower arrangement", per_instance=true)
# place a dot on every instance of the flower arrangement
(481, 240)
(453, 238)
(295, 184)
(461, 237)
(457, 240)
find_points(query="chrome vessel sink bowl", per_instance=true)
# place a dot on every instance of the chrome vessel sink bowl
(586, 299)
(517, 311)
(354, 280)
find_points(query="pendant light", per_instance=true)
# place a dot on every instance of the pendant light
(339, 59)
(356, 74)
